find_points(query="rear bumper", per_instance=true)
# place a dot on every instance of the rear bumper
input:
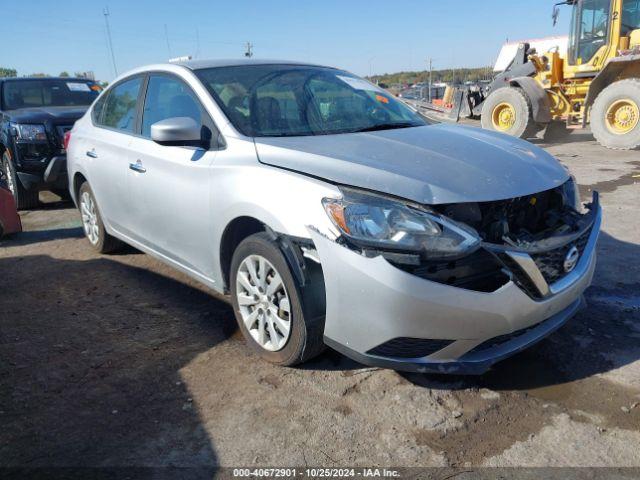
(370, 302)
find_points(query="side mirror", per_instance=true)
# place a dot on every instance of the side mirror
(177, 131)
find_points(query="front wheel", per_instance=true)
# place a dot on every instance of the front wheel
(25, 199)
(615, 116)
(508, 110)
(269, 306)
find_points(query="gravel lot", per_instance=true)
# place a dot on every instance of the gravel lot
(120, 361)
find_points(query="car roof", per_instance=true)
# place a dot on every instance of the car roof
(200, 64)
(65, 79)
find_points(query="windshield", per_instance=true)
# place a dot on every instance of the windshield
(48, 93)
(289, 100)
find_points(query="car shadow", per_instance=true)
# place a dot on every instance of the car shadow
(600, 338)
(91, 358)
(39, 236)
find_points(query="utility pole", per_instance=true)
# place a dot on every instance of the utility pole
(249, 50)
(430, 76)
(113, 56)
(166, 36)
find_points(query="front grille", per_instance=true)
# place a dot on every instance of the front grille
(479, 271)
(519, 276)
(551, 263)
(404, 347)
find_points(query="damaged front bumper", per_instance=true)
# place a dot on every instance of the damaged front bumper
(381, 315)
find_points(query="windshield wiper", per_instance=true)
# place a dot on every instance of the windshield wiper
(386, 126)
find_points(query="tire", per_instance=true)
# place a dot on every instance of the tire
(92, 224)
(25, 199)
(613, 130)
(509, 100)
(305, 319)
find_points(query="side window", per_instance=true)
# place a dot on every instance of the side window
(630, 17)
(169, 97)
(96, 112)
(120, 107)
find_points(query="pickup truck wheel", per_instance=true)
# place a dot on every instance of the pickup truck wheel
(25, 199)
(508, 110)
(268, 304)
(615, 116)
(92, 224)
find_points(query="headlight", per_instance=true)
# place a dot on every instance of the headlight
(30, 133)
(572, 194)
(373, 221)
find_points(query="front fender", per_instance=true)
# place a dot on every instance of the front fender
(540, 105)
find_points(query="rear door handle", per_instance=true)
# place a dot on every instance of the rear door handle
(92, 154)
(137, 167)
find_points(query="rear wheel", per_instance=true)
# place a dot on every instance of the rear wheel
(25, 199)
(508, 110)
(92, 224)
(274, 317)
(615, 116)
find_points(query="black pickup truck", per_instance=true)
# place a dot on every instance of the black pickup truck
(35, 113)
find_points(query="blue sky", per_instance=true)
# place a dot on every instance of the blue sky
(360, 36)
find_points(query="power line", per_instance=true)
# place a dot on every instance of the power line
(113, 56)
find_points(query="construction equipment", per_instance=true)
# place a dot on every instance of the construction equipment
(596, 82)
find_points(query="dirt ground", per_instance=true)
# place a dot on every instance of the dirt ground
(120, 361)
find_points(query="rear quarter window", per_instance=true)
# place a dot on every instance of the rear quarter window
(119, 110)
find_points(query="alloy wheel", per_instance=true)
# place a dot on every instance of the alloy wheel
(89, 218)
(263, 302)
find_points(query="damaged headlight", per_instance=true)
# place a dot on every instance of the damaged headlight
(377, 222)
(30, 133)
(571, 194)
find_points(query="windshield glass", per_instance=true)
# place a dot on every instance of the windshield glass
(48, 93)
(289, 100)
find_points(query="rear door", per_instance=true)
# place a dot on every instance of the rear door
(108, 152)
(169, 186)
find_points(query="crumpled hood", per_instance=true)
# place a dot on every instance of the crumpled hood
(432, 164)
(47, 114)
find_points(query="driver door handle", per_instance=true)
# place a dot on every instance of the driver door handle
(137, 167)
(92, 154)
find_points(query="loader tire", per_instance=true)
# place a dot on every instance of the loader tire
(615, 115)
(508, 110)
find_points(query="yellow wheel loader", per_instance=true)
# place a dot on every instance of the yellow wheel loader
(596, 82)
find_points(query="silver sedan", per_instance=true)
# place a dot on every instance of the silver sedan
(333, 214)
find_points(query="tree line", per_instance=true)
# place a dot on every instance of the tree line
(457, 75)
(12, 72)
